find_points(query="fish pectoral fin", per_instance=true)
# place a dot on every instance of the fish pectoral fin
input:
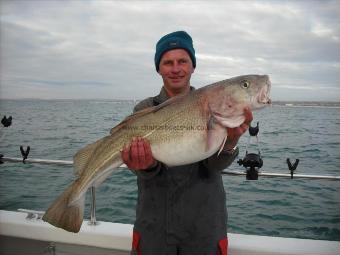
(230, 122)
(222, 145)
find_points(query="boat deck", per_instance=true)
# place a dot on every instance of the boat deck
(19, 235)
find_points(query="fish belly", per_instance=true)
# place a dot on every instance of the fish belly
(191, 147)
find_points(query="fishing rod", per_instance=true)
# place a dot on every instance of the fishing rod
(224, 172)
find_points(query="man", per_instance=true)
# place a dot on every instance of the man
(180, 210)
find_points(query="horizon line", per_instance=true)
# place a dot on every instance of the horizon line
(121, 99)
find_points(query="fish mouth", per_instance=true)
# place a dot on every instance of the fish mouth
(263, 97)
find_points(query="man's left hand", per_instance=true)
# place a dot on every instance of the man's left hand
(234, 134)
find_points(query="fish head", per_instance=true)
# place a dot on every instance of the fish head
(255, 90)
(230, 97)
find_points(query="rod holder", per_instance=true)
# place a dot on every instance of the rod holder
(253, 131)
(24, 153)
(292, 167)
(6, 122)
(93, 221)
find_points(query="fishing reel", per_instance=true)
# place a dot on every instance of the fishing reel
(252, 161)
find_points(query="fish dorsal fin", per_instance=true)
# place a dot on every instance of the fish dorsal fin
(131, 118)
(81, 158)
(146, 111)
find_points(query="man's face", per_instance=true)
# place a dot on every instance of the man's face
(176, 68)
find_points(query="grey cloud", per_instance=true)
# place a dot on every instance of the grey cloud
(105, 48)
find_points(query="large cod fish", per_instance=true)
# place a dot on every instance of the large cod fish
(182, 130)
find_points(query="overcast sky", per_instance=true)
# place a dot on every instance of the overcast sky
(105, 49)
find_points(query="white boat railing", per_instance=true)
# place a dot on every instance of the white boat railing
(224, 172)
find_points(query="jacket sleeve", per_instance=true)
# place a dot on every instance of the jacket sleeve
(220, 162)
(149, 173)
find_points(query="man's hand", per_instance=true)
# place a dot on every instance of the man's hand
(138, 155)
(234, 134)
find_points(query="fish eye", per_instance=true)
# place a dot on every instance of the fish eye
(245, 84)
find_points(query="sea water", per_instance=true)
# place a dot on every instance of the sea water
(302, 208)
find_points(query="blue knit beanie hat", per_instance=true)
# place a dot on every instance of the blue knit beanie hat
(175, 40)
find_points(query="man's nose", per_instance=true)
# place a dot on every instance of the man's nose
(175, 68)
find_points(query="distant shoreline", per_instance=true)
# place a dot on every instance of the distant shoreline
(307, 104)
(328, 104)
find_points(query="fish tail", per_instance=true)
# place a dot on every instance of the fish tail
(67, 211)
